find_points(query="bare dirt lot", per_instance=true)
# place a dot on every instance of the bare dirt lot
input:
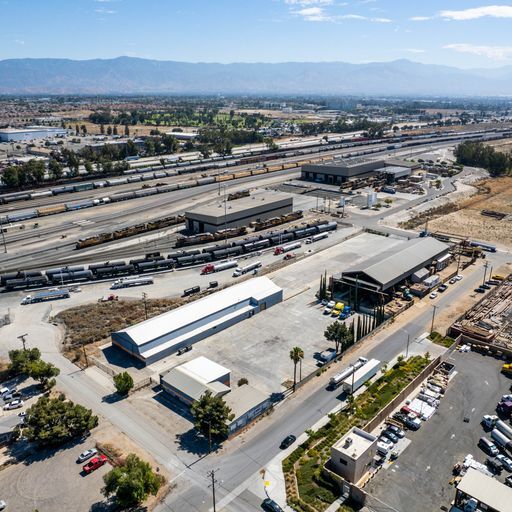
(493, 194)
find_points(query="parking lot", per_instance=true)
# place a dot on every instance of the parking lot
(39, 483)
(427, 463)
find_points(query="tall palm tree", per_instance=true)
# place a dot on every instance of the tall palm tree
(296, 355)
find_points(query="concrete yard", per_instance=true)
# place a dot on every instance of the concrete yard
(426, 465)
(258, 348)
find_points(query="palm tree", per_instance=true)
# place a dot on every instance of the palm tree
(296, 355)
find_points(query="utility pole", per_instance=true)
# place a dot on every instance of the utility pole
(225, 217)
(85, 356)
(22, 338)
(407, 348)
(144, 299)
(486, 264)
(211, 474)
(433, 316)
(3, 236)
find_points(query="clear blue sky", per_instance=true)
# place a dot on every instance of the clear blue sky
(463, 33)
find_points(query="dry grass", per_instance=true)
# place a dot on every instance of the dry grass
(91, 323)
(493, 194)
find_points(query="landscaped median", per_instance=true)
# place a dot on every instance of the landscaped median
(439, 339)
(307, 487)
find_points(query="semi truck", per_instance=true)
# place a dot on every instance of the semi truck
(352, 383)
(218, 267)
(240, 271)
(315, 238)
(127, 282)
(337, 379)
(46, 296)
(281, 249)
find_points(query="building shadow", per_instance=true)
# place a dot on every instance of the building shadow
(117, 357)
(174, 405)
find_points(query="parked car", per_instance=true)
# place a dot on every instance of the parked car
(328, 307)
(508, 481)
(453, 280)
(183, 350)
(412, 422)
(15, 404)
(287, 441)
(3, 504)
(485, 286)
(506, 398)
(390, 435)
(271, 505)
(386, 441)
(87, 455)
(479, 290)
(433, 295)
(494, 465)
(459, 277)
(396, 430)
(94, 464)
(506, 461)
(442, 288)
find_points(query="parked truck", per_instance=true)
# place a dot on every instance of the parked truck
(315, 238)
(240, 271)
(352, 383)
(218, 267)
(326, 356)
(281, 249)
(337, 379)
(501, 439)
(127, 282)
(46, 296)
(504, 429)
(505, 408)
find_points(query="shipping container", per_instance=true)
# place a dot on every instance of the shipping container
(360, 376)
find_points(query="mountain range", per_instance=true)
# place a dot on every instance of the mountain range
(129, 75)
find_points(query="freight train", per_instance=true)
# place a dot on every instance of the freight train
(156, 262)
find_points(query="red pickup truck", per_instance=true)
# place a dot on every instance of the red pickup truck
(95, 463)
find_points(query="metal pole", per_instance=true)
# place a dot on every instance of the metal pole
(485, 271)
(211, 475)
(407, 348)
(433, 316)
(3, 236)
(22, 338)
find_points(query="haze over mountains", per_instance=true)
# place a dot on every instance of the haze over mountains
(128, 75)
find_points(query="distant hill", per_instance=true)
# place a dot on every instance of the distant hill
(132, 75)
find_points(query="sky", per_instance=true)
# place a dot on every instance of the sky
(462, 33)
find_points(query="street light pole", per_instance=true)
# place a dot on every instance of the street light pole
(407, 348)
(486, 264)
(211, 475)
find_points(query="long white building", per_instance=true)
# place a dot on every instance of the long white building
(165, 334)
(30, 133)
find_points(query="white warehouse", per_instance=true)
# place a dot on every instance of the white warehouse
(165, 334)
(30, 133)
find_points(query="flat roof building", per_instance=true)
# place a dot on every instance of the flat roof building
(391, 267)
(490, 494)
(352, 455)
(30, 133)
(240, 212)
(165, 334)
(189, 381)
(338, 172)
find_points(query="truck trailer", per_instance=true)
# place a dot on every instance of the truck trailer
(337, 379)
(359, 377)
(286, 248)
(504, 428)
(240, 271)
(218, 267)
(501, 439)
(46, 296)
(127, 282)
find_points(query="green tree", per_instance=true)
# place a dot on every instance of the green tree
(296, 355)
(211, 415)
(54, 421)
(123, 382)
(84, 129)
(102, 129)
(55, 169)
(114, 131)
(109, 130)
(131, 482)
(126, 130)
(43, 372)
(88, 167)
(10, 176)
(149, 146)
(340, 335)
(77, 130)
(21, 359)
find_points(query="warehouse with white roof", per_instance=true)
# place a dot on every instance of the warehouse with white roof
(165, 334)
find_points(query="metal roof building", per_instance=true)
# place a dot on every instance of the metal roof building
(240, 212)
(190, 380)
(490, 493)
(389, 268)
(165, 334)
